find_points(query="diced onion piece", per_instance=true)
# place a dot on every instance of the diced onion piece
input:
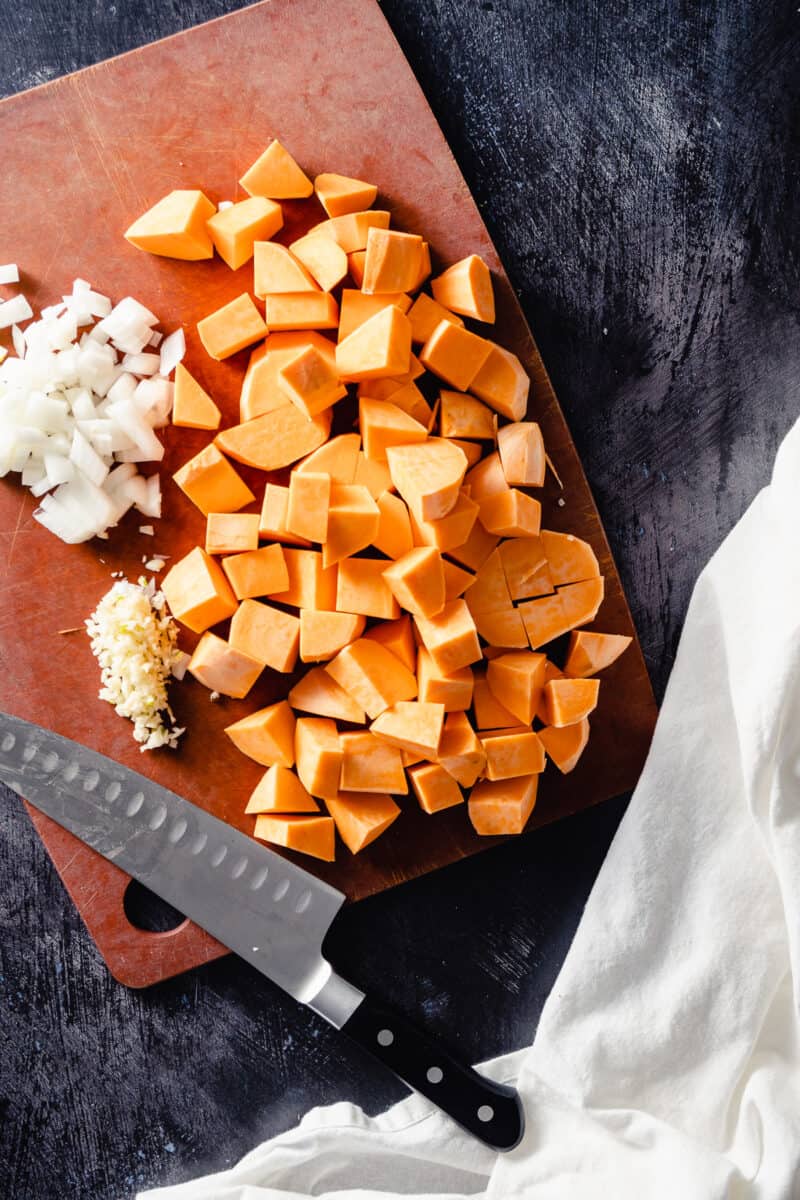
(86, 459)
(14, 311)
(141, 364)
(9, 273)
(173, 349)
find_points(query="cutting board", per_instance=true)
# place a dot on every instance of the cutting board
(82, 157)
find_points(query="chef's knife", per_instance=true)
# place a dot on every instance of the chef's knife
(269, 911)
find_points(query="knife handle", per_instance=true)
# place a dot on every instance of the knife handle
(491, 1112)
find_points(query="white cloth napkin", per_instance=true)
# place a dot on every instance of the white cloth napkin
(667, 1058)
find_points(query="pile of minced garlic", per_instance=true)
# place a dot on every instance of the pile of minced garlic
(135, 641)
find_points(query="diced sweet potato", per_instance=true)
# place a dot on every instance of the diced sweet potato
(261, 391)
(175, 227)
(311, 584)
(372, 475)
(325, 261)
(337, 458)
(277, 271)
(424, 267)
(502, 383)
(449, 531)
(471, 449)
(521, 449)
(503, 807)
(568, 701)
(571, 605)
(476, 549)
(398, 637)
(339, 194)
(522, 558)
(257, 572)
(267, 634)
(372, 675)
(319, 755)
(454, 691)
(511, 514)
(394, 529)
(324, 634)
(379, 347)
(551, 671)
(286, 311)
(428, 476)
(489, 590)
(411, 725)
(280, 791)
(353, 522)
(417, 581)
(462, 416)
(565, 746)
(456, 580)
(403, 394)
(231, 328)
(425, 314)
(370, 765)
(383, 424)
(222, 668)
(231, 533)
(309, 381)
(589, 653)
(309, 502)
(192, 407)
(212, 483)
(235, 230)
(581, 601)
(197, 591)
(321, 695)
(569, 558)
(355, 265)
(460, 751)
(355, 308)
(275, 174)
(315, 836)
(434, 788)
(362, 817)
(275, 439)
(267, 735)
(272, 522)
(361, 588)
(486, 478)
(516, 680)
(489, 712)
(351, 229)
(450, 637)
(455, 354)
(502, 628)
(512, 752)
(393, 261)
(466, 288)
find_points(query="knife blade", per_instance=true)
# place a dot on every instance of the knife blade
(265, 908)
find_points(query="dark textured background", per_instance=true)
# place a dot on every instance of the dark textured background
(638, 167)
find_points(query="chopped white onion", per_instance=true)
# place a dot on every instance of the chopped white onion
(173, 349)
(9, 273)
(14, 311)
(141, 364)
(18, 338)
(147, 530)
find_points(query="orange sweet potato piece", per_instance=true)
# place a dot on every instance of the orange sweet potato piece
(310, 382)
(275, 439)
(339, 194)
(428, 476)
(325, 261)
(502, 628)
(353, 522)
(324, 634)
(394, 537)
(571, 605)
(454, 691)
(502, 383)
(337, 457)
(424, 267)
(261, 391)
(267, 634)
(511, 514)
(231, 533)
(311, 584)
(267, 735)
(351, 229)
(372, 475)
(309, 502)
(355, 308)
(411, 725)
(192, 407)
(280, 791)
(355, 265)
(417, 581)
(455, 355)
(425, 314)
(235, 230)
(393, 261)
(521, 449)
(434, 788)
(589, 653)
(277, 271)
(522, 558)
(568, 701)
(565, 746)
(569, 558)
(222, 668)
(319, 755)
(372, 675)
(462, 416)
(456, 580)
(466, 288)
(398, 637)
(315, 836)
(316, 692)
(471, 449)
(516, 680)
(383, 424)
(257, 572)
(450, 637)
(582, 600)
(403, 393)
(286, 311)
(231, 328)
(370, 765)
(489, 712)
(460, 751)
(381, 346)
(502, 807)
(275, 174)
(486, 478)
(212, 483)
(362, 817)
(476, 549)
(197, 591)
(512, 752)
(449, 531)
(362, 589)
(175, 227)
(489, 590)
(272, 522)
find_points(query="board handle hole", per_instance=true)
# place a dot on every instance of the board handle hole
(149, 912)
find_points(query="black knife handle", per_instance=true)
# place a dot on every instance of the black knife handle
(491, 1112)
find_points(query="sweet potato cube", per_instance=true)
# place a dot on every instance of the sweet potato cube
(197, 591)
(321, 695)
(315, 836)
(489, 712)
(257, 572)
(361, 588)
(285, 311)
(379, 347)
(565, 746)
(453, 691)
(175, 227)
(355, 265)
(372, 475)
(502, 383)
(489, 590)
(403, 394)
(370, 765)
(337, 458)
(521, 558)
(308, 380)
(192, 407)
(516, 680)
(353, 522)
(260, 390)
(544, 618)
(393, 261)
(511, 514)
(551, 671)
(428, 476)
(462, 416)
(351, 229)
(454, 354)
(319, 755)
(450, 637)
(212, 483)
(267, 735)
(372, 675)
(267, 634)
(311, 584)
(394, 537)
(589, 653)
(398, 637)
(476, 549)
(581, 601)
(502, 807)
(450, 531)
(325, 261)
(361, 817)
(521, 449)
(512, 752)
(434, 788)
(309, 501)
(339, 194)
(456, 580)
(231, 328)
(276, 271)
(222, 668)
(460, 751)
(486, 478)
(466, 288)
(275, 439)
(425, 267)
(355, 308)
(235, 230)
(569, 558)
(425, 314)
(272, 521)
(502, 629)
(411, 725)
(568, 701)
(276, 175)
(324, 634)
(280, 791)
(417, 581)
(231, 533)
(383, 424)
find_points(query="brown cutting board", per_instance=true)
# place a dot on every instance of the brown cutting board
(81, 158)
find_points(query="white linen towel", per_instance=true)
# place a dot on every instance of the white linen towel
(667, 1060)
